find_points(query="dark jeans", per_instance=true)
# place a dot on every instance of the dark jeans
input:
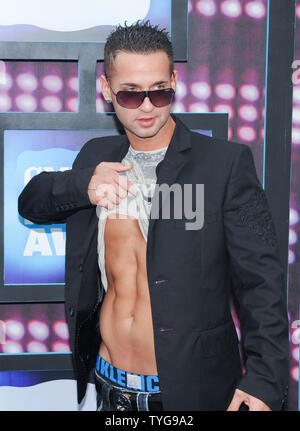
(114, 398)
(118, 389)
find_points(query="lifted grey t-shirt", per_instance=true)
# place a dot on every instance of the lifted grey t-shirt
(143, 178)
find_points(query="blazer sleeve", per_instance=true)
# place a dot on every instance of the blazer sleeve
(258, 283)
(51, 197)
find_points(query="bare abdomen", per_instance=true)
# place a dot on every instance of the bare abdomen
(126, 320)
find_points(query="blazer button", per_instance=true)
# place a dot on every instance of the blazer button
(81, 267)
(71, 311)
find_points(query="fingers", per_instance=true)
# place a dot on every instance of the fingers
(107, 196)
(256, 405)
(105, 202)
(235, 402)
(253, 403)
(108, 191)
(116, 166)
(106, 182)
(124, 185)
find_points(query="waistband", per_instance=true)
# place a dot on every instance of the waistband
(126, 379)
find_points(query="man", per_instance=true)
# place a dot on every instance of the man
(165, 338)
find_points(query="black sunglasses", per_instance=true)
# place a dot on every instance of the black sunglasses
(134, 99)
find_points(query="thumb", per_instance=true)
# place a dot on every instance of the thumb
(235, 403)
(121, 167)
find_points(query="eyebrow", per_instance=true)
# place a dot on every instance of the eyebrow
(131, 84)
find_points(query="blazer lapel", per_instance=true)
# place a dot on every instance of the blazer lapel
(167, 171)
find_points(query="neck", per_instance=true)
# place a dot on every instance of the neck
(160, 140)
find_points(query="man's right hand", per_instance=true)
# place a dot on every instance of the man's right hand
(107, 187)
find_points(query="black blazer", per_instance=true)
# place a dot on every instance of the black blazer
(196, 343)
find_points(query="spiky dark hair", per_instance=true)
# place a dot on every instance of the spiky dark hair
(141, 38)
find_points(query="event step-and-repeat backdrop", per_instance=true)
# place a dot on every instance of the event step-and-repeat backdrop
(51, 59)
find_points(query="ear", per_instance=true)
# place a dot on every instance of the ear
(105, 88)
(174, 79)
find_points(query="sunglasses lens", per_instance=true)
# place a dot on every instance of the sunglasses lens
(161, 98)
(130, 99)
(134, 99)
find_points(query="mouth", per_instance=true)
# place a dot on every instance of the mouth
(146, 122)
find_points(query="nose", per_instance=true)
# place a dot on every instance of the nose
(147, 106)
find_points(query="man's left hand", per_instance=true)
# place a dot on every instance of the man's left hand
(254, 404)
